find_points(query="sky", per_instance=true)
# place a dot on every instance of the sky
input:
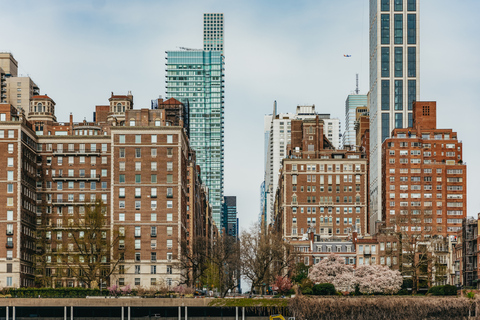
(79, 51)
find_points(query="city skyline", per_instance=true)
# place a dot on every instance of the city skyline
(77, 38)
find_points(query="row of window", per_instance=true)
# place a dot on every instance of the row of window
(330, 188)
(346, 210)
(398, 5)
(138, 138)
(313, 178)
(71, 160)
(327, 167)
(153, 217)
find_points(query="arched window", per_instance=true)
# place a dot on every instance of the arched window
(119, 107)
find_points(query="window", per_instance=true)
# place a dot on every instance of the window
(411, 28)
(169, 244)
(153, 166)
(10, 148)
(138, 153)
(154, 138)
(385, 61)
(169, 138)
(398, 61)
(385, 95)
(398, 29)
(169, 204)
(138, 166)
(10, 175)
(385, 28)
(169, 178)
(153, 178)
(121, 217)
(121, 192)
(169, 217)
(138, 217)
(121, 138)
(412, 62)
(169, 166)
(138, 138)
(169, 192)
(138, 244)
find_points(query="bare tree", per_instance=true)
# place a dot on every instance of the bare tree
(416, 252)
(224, 264)
(193, 261)
(91, 249)
(263, 256)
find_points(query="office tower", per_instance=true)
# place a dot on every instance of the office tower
(277, 135)
(195, 78)
(352, 104)
(394, 80)
(425, 187)
(213, 29)
(321, 189)
(15, 90)
(229, 216)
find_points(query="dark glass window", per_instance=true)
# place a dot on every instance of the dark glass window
(412, 28)
(398, 61)
(385, 94)
(385, 62)
(412, 93)
(412, 62)
(398, 120)
(410, 120)
(385, 29)
(398, 29)
(398, 5)
(398, 94)
(412, 5)
(385, 5)
(385, 126)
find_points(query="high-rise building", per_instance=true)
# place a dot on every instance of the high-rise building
(353, 102)
(394, 80)
(425, 187)
(277, 134)
(137, 162)
(195, 78)
(213, 29)
(229, 216)
(15, 90)
(321, 190)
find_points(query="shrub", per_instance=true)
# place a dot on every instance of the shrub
(324, 289)
(446, 290)
(307, 291)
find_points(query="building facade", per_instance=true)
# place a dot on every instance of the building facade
(355, 103)
(230, 220)
(394, 80)
(195, 78)
(277, 133)
(321, 189)
(424, 177)
(131, 161)
(213, 30)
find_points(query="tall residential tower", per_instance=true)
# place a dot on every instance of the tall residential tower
(394, 80)
(213, 32)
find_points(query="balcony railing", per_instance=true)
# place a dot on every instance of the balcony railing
(77, 152)
(76, 177)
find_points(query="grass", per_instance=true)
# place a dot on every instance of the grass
(247, 302)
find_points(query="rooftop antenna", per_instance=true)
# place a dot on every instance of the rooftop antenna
(356, 90)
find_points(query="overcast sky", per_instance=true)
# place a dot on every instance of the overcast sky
(78, 51)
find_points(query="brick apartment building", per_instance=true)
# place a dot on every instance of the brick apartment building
(321, 190)
(424, 177)
(137, 162)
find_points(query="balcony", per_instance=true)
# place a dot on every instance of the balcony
(77, 152)
(76, 178)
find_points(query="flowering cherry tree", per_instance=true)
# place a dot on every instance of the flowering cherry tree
(282, 284)
(378, 279)
(333, 270)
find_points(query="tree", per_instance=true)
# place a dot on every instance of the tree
(263, 256)
(91, 257)
(333, 269)
(416, 244)
(193, 261)
(282, 284)
(223, 267)
(378, 279)
(301, 272)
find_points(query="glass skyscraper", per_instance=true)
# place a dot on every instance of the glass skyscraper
(394, 80)
(195, 77)
(213, 32)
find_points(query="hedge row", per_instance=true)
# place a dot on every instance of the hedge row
(55, 292)
(446, 290)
